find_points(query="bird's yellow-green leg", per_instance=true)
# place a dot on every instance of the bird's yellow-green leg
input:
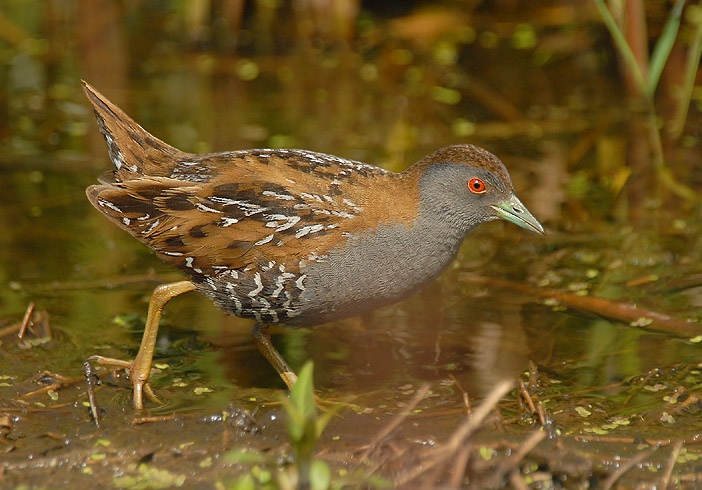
(263, 341)
(262, 337)
(140, 367)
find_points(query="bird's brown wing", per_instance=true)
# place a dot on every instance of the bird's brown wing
(251, 208)
(235, 209)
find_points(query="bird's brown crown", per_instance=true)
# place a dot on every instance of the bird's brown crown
(471, 155)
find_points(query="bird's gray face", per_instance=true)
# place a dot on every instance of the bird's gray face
(468, 195)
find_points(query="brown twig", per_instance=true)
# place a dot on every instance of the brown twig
(25, 320)
(527, 397)
(541, 412)
(665, 480)
(510, 464)
(91, 379)
(622, 312)
(464, 393)
(533, 376)
(517, 481)
(633, 393)
(459, 439)
(396, 421)
(29, 409)
(459, 467)
(499, 421)
(61, 383)
(626, 466)
(159, 418)
(10, 330)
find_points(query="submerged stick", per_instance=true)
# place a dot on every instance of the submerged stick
(623, 312)
(460, 438)
(62, 382)
(25, 320)
(91, 380)
(511, 463)
(670, 464)
(399, 418)
(626, 466)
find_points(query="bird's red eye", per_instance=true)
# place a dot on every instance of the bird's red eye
(477, 186)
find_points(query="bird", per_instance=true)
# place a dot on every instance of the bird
(291, 237)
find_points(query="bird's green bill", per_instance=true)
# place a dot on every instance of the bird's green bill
(513, 210)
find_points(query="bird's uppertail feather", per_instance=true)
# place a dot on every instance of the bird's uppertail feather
(133, 150)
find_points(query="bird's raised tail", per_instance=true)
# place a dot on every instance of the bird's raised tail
(133, 151)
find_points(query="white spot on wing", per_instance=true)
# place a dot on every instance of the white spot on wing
(264, 240)
(258, 288)
(228, 221)
(284, 197)
(108, 204)
(292, 221)
(153, 225)
(308, 229)
(206, 209)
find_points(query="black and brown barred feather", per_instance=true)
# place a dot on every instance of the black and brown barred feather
(238, 209)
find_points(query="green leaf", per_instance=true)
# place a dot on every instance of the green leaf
(622, 45)
(302, 394)
(246, 482)
(663, 46)
(320, 475)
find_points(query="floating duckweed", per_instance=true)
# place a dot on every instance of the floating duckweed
(684, 456)
(149, 477)
(583, 412)
(486, 453)
(666, 417)
(596, 430)
(641, 322)
(591, 273)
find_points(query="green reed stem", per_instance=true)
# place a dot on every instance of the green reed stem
(693, 62)
(622, 45)
(663, 47)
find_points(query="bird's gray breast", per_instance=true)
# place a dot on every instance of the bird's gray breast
(376, 269)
